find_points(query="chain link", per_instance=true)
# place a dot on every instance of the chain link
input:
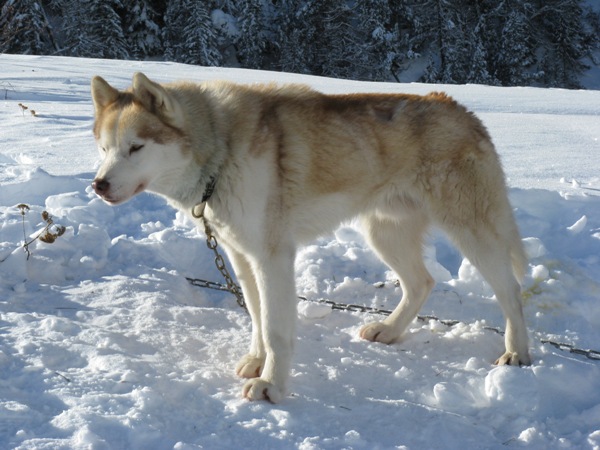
(207, 284)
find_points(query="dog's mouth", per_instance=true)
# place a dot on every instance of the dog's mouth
(115, 200)
(140, 188)
(110, 200)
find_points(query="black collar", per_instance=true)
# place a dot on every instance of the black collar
(209, 189)
(198, 209)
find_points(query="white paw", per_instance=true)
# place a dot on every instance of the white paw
(249, 366)
(379, 332)
(259, 389)
(513, 359)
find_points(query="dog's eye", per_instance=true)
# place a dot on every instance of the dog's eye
(135, 148)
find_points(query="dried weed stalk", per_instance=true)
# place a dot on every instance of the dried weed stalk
(25, 108)
(49, 233)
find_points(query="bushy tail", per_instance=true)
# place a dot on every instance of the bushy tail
(518, 256)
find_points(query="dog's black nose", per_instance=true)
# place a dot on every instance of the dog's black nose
(101, 186)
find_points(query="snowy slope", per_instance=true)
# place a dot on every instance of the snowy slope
(104, 345)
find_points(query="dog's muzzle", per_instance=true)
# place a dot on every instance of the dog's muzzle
(101, 186)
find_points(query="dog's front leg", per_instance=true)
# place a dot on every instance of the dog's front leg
(251, 364)
(275, 278)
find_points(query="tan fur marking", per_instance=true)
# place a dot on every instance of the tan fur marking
(128, 110)
(111, 110)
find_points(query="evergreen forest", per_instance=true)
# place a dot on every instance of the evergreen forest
(496, 42)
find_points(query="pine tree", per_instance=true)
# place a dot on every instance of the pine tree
(378, 55)
(24, 28)
(440, 24)
(479, 72)
(298, 28)
(431, 74)
(317, 37)
(454, 48)
(294, 28)
(336, 44)
(417, 24)
(142, 33)
(568, 42)
(93, 28)
(256, 43)
(516, 51)
(189, 34)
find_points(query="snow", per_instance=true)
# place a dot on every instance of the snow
(104, 345)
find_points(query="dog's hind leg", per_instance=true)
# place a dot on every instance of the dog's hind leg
(251, 364)
(399, 242)
(490, 251)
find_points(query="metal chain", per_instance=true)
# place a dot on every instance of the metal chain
(594, 355)
(231, 286)
(589, 354)
(208, 284)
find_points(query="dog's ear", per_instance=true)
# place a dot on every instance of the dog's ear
(103, 94)
(157, 100)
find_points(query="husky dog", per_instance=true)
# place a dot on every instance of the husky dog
(285, 164)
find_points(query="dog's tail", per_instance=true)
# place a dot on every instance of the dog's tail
(517, 255)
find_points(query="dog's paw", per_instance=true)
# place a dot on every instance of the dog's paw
(259, 389)
(379, 332)
(249, 366)
(513, 359)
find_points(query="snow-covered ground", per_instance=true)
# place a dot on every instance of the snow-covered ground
(104, 345)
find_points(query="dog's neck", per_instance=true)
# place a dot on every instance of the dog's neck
(187, 197)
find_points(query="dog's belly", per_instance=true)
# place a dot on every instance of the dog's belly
(323, 215)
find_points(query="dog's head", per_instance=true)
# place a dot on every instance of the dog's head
(139, 137)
